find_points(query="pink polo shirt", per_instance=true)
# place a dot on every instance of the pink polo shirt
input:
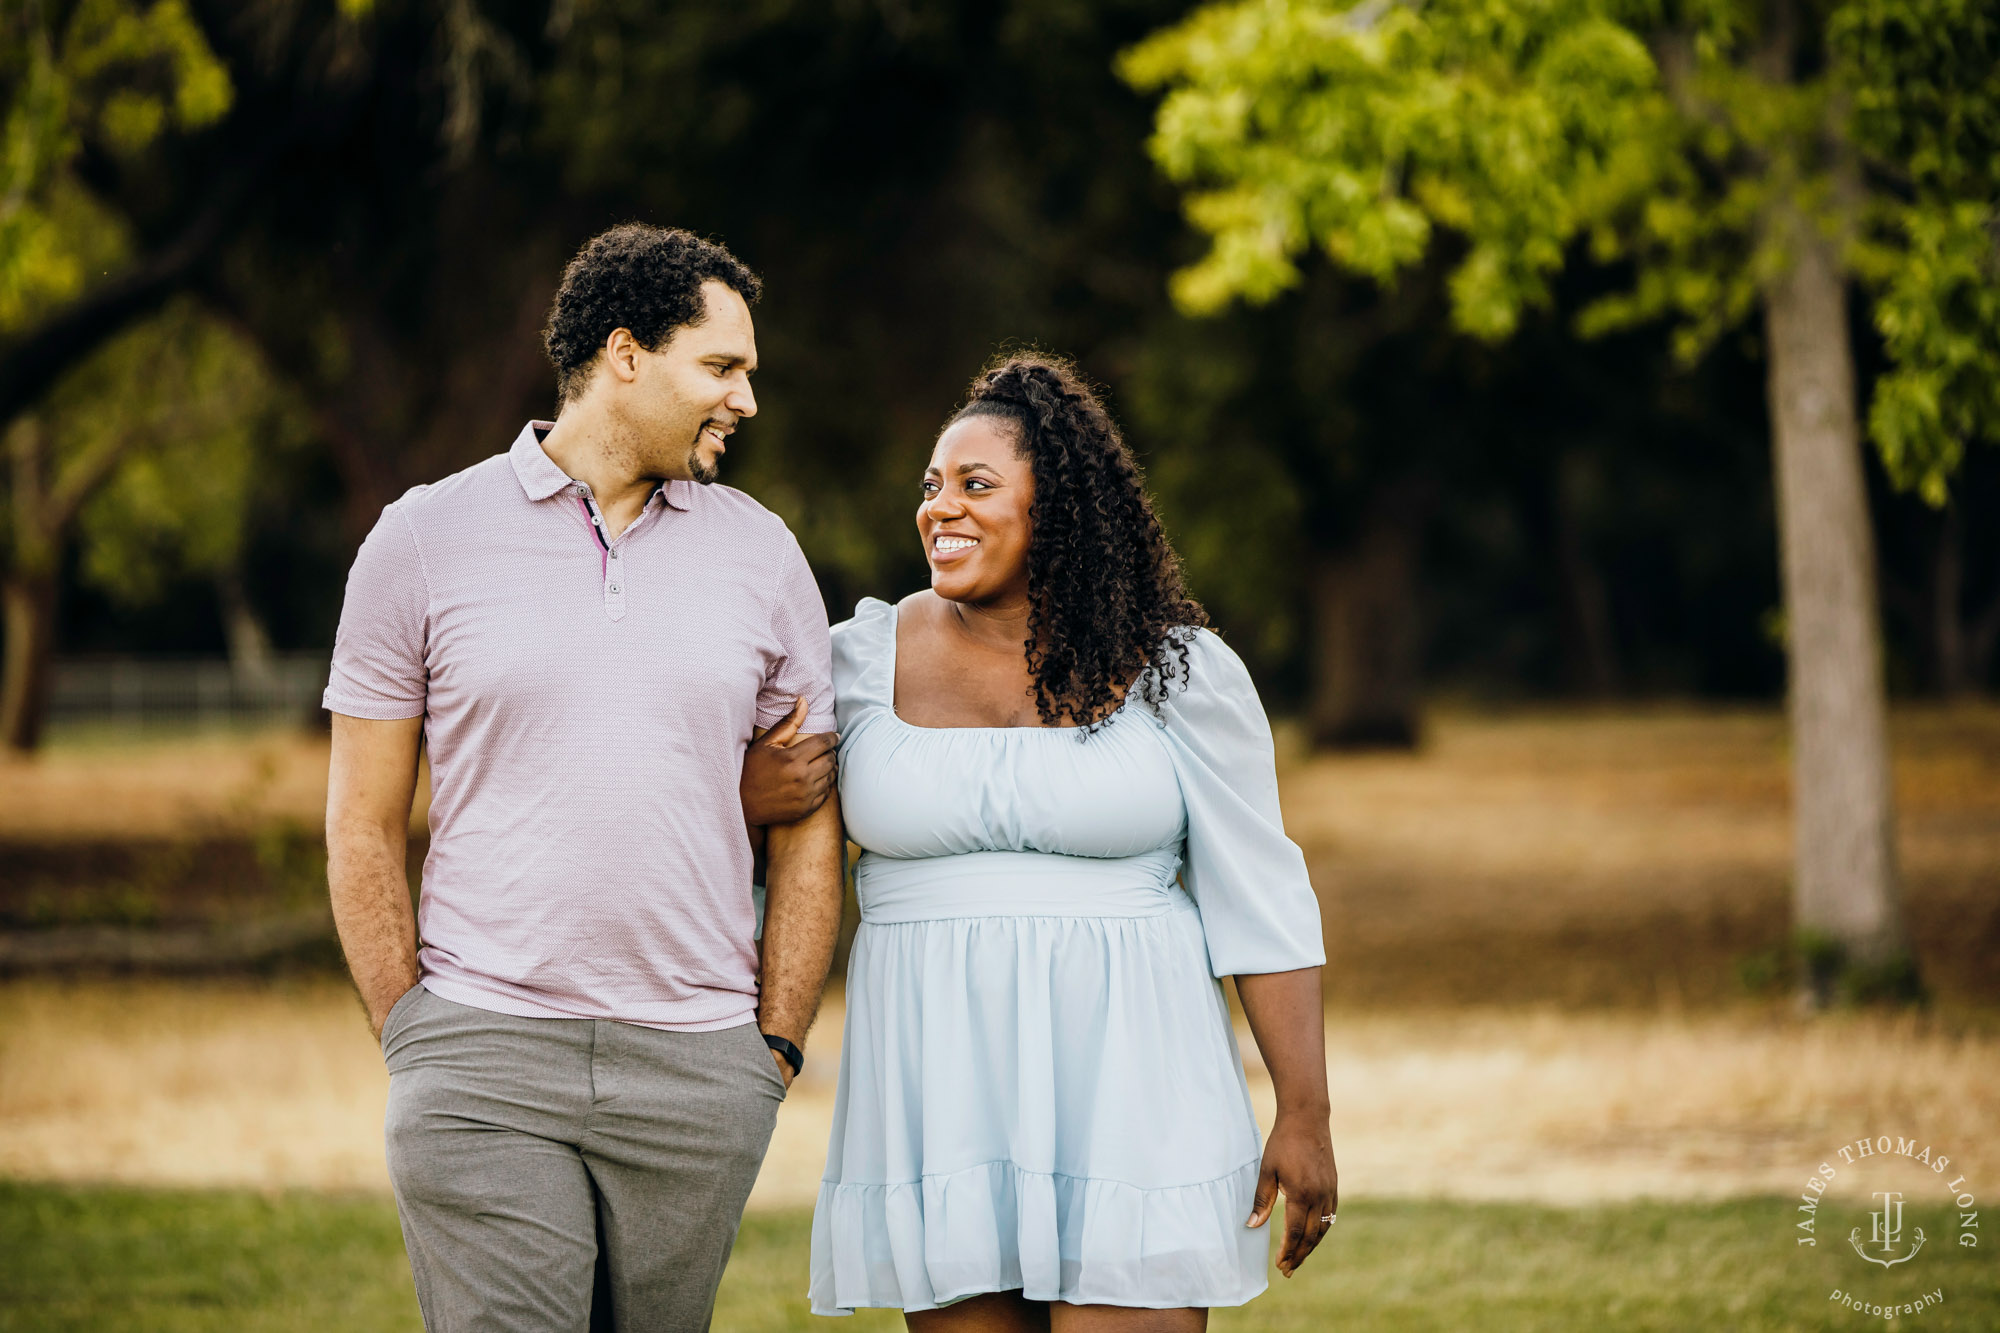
(586, 703)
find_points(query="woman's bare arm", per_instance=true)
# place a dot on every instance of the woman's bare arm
(1288, 1018)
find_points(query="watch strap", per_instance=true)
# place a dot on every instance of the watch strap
(793, 1055)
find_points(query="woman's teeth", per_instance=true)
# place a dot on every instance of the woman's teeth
(950, 544)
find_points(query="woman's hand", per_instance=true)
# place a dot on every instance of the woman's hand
(1288, 1019)
(1298, 1161)
(786, 776)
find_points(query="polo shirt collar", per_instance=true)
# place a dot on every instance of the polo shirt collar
(540, 478)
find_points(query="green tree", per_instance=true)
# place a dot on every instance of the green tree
(1744, 159)
(210, 147)
(147, 455)
(179, 506)
(99, 78)
(92, 90)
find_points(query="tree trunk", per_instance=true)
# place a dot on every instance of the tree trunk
(1365, 633)
(28, 603)
(1591, 656)
(1846, 898)
(1949, 647)
(249, 643)
(1576, 587)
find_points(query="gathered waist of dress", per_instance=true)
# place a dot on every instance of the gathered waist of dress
(936, 888)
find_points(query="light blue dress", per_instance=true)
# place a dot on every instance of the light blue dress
(1039, 1085)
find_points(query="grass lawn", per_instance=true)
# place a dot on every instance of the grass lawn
(165, 1262)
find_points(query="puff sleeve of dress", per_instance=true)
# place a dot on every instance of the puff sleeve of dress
(1248, 879)
(864, 662)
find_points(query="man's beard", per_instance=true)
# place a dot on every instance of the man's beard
(701, 473)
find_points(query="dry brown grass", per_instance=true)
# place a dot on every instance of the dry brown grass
(1568, 1108)
(168, 789)
(1626, 858)
(277, 1084)
(1534, 926)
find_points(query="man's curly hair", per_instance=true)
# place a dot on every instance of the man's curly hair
(646, 279)
(1105, 590)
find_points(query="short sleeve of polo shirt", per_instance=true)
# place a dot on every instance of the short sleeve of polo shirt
(804, 663)
(378, 650)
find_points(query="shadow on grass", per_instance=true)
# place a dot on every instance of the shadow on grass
(114, 1259)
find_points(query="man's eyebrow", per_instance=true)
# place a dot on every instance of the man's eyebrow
(732, 359)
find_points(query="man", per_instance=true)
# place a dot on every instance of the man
(588, 1050)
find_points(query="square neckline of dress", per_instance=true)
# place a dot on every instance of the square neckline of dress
(895, 629)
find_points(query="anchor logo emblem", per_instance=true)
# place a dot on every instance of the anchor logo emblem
(1886, 1233)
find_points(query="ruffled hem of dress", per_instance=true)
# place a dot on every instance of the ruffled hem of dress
(1053, 1237)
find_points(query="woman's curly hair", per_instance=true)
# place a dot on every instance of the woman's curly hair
(1105, 591)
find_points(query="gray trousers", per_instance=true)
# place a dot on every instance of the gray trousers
(548, 1167)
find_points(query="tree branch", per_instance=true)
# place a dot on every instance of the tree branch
(75, 482)
(33, 363)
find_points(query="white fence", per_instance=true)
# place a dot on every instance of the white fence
(181, 693)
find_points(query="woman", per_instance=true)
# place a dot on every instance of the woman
(1064, 792)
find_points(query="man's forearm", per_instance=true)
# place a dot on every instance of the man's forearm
(371, 909)
(803, 890)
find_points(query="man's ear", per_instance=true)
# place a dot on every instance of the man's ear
(621, 354)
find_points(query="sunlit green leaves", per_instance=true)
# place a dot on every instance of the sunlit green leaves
(1939, 317)
(115, 75)
(1298, 124)
(136, 68)
(1666, 136)
(1926, 99)
(194, 418)
(1921, 75)
(49, 249)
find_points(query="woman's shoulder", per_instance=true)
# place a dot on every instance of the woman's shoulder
(864, 655)
(1206, 663)
(1210, 689)
(869, 615)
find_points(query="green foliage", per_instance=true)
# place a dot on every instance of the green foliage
(1687, 140)
(1921, 77)
(1939, 316)
(1361, 130)
(1927, 104)
(201, 419)
(157, 445)
(113, 76)
(1831, 976)
(1819, 965)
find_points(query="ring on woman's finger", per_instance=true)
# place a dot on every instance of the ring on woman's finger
(1329, 1219)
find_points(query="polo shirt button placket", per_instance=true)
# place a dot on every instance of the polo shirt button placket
(614, 585)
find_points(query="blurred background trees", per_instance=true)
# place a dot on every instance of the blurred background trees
(361, 208)
(1740, 159)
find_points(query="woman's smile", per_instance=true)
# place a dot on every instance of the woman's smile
(949, 546)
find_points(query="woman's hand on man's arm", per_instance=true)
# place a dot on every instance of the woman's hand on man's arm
(787, 776)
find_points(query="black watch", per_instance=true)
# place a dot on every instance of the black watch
(793, 1055)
